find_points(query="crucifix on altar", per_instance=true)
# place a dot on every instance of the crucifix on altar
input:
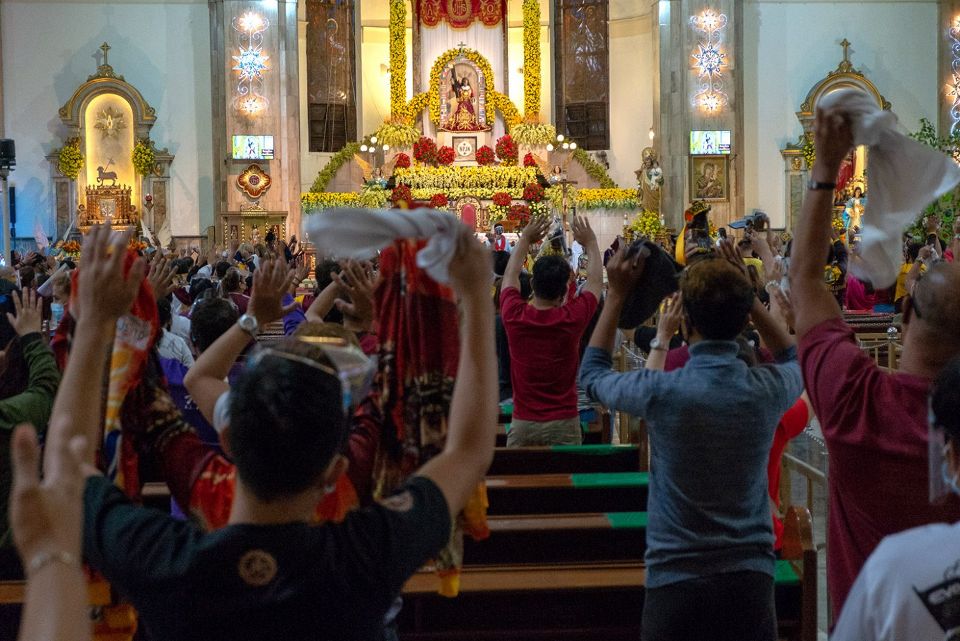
(564, 187)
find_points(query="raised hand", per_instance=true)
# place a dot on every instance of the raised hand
(624, 271)
(104, 292)
(162, 275)
(670, 317)
(46, 517)
(784, 308)
(28, 308)
(728, 250)
(270, 282)
(536, 229)
(357, 281)
(471, 270)
(833, 140)
(582, 232)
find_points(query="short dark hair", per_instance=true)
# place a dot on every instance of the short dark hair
(221, 269)
(913, 250)
(551, 277)
(198, 286)
(164, 313)
(282, 446)
(500, 260)
(945, 399)
(717, 298)
(210, 319)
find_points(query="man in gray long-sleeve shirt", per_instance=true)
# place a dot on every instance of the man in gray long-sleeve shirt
(709, 557)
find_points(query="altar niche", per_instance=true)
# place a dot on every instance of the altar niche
(852, 182)
(104, 120)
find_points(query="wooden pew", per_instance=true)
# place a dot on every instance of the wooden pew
(560, 459)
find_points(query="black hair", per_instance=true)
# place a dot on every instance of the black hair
(184, 265)
(198, 287)
(913, 250)
(717, 298)
(323, 280)
(164, 313)
(551, 277)
(210, 319)
(221, 269)
(945, 400)
(282, 446)
(500, 260)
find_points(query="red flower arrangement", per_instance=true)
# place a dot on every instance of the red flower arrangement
(485, 155)
(425, 151)
(533, 193)
(439, 201)
(502, 199)
(402, 194)
(519, 214)
(446, 155)
(403, 161)
(507, 150)
(529, 160)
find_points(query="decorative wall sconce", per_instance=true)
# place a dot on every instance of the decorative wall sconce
(953, 85)
(251, 63)
(709, 60)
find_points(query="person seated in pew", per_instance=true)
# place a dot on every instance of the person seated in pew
(269, 573)
(543, 337)
(709, 558)
(873, 421)
(909, 588)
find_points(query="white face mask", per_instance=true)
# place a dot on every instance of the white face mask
(56, 311)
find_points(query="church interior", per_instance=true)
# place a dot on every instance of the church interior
(202, 125)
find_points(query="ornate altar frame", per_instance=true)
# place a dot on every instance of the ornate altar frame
(251, 223)
(66, 196)
(845, 76)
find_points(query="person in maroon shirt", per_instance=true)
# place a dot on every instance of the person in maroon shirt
(544, 336)
(874, 422)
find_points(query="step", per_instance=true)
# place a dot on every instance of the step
(567, 493)
(559, 459)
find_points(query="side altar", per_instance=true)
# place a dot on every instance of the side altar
(108, 169)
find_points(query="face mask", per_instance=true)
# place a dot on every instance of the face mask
(56, 311)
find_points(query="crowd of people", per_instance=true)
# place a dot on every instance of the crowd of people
(300, 504)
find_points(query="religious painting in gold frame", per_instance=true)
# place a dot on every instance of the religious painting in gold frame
(710, 178)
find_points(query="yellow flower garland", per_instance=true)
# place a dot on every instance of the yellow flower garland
(398, 58)
(503, 104)
(467, 178)
(312, 201)
(531, 58)
(417, 104)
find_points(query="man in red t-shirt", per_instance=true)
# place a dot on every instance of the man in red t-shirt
(874, 422)
(544, 337)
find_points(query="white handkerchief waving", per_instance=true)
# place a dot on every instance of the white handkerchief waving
(346, 232)
(904, 177)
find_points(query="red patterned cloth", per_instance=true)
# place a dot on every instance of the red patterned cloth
(460, 13)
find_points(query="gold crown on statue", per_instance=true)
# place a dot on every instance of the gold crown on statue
(696, 207)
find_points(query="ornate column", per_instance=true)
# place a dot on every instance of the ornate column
(698, 87)
(1, 75)
(948, 67)
(255, 80)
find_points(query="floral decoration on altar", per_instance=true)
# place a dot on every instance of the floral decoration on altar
(144, 157)
(645, 223)
(519, 215)
(70, 159)
(401, 161)
(254, 181)
(312, 202)
(399, 134)
(500, 207)
(439, 201)
(533, 133)
(447, 178)
(398, 58)
(401, 196)
(446, 155)
(444, 59)
(425, 151)
(531, 58)
(485, 156)
(336, 161)
(507, 150)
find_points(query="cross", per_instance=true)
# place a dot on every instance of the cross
(846, 46)
(462, 45)
(105, 48)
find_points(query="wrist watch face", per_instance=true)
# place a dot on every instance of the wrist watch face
(655, 342)
(248, 323)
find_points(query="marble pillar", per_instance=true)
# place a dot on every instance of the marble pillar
(275, 89)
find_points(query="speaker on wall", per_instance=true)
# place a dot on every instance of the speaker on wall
(8, 153)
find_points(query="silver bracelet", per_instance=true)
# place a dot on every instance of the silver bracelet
(43, 559)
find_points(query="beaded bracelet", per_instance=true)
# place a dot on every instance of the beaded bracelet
(43, 559)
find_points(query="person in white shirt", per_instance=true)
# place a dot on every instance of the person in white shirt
(909, 588)
(171, 345)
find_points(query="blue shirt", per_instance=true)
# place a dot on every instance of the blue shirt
(711, 426)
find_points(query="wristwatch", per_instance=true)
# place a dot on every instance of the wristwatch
(657, 344)
(249, 324)
(813, 185)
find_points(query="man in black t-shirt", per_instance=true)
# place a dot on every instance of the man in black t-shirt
(269, 574)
